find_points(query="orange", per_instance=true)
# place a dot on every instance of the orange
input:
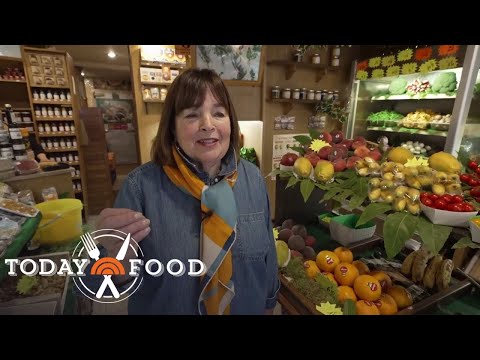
(311, 268)
(330, 277)
(384, 280)
(386, 305)
(366, 308)
(367, 288)
(361, 266)
(345, 293)
(401, 296)
(344, 254)
(345, 274)
(327, 260)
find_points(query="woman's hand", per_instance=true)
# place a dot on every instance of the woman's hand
(125, 220)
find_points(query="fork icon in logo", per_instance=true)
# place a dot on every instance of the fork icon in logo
(106, 266)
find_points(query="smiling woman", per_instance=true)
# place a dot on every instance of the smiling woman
(198, 176)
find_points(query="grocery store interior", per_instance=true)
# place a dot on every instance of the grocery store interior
(370, 156)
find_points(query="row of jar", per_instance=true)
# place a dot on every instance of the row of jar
(18, 116)
(304, 94)
(15, 150)
(47, 94)
(73, 171)
(77, 185)
(64, 157)
(53, 111)
(55, 127)
(55, 143)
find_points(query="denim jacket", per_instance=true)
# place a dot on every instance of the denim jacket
(175, 219)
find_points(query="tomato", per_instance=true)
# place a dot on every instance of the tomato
(447, 198)
(433, 197)
(475, 192)
(465, 178)
(440, 204)
(474, 182)
(477, 170)
(472, 165)
(456, 199)
(466, 207)
(427, 202)
(455, 207)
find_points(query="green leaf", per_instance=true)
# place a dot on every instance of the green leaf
(286, 174)
(335, 204)
(372, 211)
(292, 182)
(466, 242)
(306, 188)
(356, 201)
(314, 134)
(397, 229)
(298, 149)
(349, 307)
(303, 139)
(331, 193)
(342, 196)
(274, 173)
(433, 236)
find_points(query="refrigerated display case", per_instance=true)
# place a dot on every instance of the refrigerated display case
(438, 120)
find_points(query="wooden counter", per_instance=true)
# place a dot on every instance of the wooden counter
(60, 179)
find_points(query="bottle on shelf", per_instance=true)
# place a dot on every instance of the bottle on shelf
(49, 95)
(35, 94)
(74, 143)
(56, 97)
(50, 111)
(41, 128)
(61, 128)
(62, 96)
(64, 112)
(67, 127)
(47, 128)
(42, 95)
(54, 127)
(69, 97)
(44, 111)
(38, 111)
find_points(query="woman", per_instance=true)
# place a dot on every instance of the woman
(198, 200)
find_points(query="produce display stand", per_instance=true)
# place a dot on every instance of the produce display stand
(21, 239)
(294, 303)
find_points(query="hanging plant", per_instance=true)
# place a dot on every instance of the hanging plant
(405, 55)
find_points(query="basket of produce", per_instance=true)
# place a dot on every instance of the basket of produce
(440, 122)
(344, 231)
(447, 209)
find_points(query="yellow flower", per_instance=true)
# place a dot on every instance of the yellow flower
(275, 233)
(428, 66)
(375, 62)
(448, 63)
(409, 68)
(378, 73)
(316, 144)
(404, 55)
(362, 75)
(393, 71)
(388, 60)
(329, 309)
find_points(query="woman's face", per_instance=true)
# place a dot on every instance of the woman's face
(203, 133)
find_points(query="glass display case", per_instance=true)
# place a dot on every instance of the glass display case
(424, 111)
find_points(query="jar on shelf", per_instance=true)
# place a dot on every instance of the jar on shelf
(6, 151)
(336, 51)
(298, 56)
(56, 111)
(42, 95)
(77, 171)
(58, 158)
(75, 157)
(303, 93)
(56, 97)
(61, 127)
(286, 93)
(47, 128)
(63, 144)
(38, 111)
(35, 94)
(44, 111)
(70, 157)
(43, 143)
(79, 186)
(276, 92)
(74, 143)
(72, 127)
(311, 95)
(49, 144)
(68, 143)
(336, 95)
(70, 112)
(64, 157)
(330, 95)
(163, 94)
(67, 127)
(54, 127)
(50, 111)
(324, 95)
(64, 112)
(296, 94)
(335, 61)
(69, 96)
(41, 129)
(318, 95)
(49, 95)
(316, 59)
(56, 145)
(62, 96)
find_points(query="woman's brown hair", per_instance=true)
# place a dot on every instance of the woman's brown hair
(189, 90)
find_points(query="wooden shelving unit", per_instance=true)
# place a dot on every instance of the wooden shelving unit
(52, 70)
(13, 91)
(292, 66)
(289, 103)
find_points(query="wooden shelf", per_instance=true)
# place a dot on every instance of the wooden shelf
(76, 177)
(59, 149)
(56, 134)
(429, 132)
(72, 162)
(10, 58)
(153, 101)
(160, 65)
(51, 102)
(288, 103)
(292, 66)
(19, 109)
(78, 191)
(156, 83)
(48, 118)
(13, 81)
(45, 86)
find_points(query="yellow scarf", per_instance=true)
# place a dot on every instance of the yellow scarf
(217, 234)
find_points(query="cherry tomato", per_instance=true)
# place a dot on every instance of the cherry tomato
(474, 182)
(475, 192)
(472, 165)
(477, 170)
(433, 197)
(465, 178)
(466, 207)
(455, 207)
(457, 199)
(427, 202)
(447, 198)
(440, 204)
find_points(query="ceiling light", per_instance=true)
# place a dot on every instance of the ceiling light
(82, 73)
(111, 54)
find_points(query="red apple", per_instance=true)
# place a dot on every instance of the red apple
(324, 152)
(352, 160)
(348, 143)
(362, 151)
(288, 159)
(337, 136)
(325, 136)
(339, 165)
(376, 155)
(313, 158)
(358, 143)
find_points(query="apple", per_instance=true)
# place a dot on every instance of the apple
(313, 158)
(351, 161)
(288, 159)
(324, 152)
(376, 155)
(337, 136)
(339, 165)
(325, 136)
(362, 151)
(347, 143)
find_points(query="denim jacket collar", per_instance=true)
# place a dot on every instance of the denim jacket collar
(227, 167)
